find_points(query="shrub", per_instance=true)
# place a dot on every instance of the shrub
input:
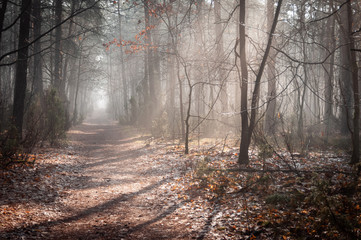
(278, 198)
(9, 146)
(160, 126)
(55, 120)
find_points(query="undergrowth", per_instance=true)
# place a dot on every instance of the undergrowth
(288, 205)
(45, 124)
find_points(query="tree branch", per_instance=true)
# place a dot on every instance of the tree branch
(331, 14)
(48, 31)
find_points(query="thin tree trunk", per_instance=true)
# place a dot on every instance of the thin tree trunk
(304, 92)
(38, 63)
(75, 113)
(243, 157)
(255, 96)
(187, 123)
(150, 63)
(72, 85)
(21, 67)
(58, 81)
(66, 63)
(199, 90)
(220, 54)
(2, 104)
(146, 96)
(4, 4)
(122, 68)
(181, 101)
(356, 95)
(328, 116)
(270, 117)
(170, 92)
(346, 74)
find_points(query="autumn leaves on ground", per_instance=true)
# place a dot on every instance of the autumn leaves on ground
(113, 182)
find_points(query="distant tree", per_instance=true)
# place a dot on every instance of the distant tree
(219, 28)
(149, 61)
(329, 36)
(122, 66)
(59, 83)
(38, 62)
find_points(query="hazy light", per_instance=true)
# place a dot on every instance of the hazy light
(102, 103)
(100, 100)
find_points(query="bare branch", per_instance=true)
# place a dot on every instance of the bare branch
(331, 14)
(48, 31)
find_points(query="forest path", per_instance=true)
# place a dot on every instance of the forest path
(122, 190)
(109, 183)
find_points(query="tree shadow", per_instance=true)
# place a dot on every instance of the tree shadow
(164, 214)
(118, 156)
(110, 160)
(109, 205)
(208, 225)
(35, 186)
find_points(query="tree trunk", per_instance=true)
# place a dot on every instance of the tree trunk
(328, 114)
(302, 97)
(156, 71)
(122, 68)
(75, 112)
(187, 123)
(199, 95)
(21, 67)
(270, 117)
(170, 92)
(58, 81)
(243, 157)
(2, 104)
(72, 84)
(356, 95)
(255, 95)
(146, 96)
(4, 4)
(38, 63)
(346, 74)
(180, 100)
(150, 63)
(220, 55)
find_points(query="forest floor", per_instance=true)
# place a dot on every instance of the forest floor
(111, 182)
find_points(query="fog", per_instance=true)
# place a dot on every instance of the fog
(190, 69)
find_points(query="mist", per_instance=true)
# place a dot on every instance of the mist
(285, 71)
(180, 119)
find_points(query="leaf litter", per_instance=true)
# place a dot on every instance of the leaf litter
(162, 193)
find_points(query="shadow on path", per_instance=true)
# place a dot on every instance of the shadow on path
(98, 209)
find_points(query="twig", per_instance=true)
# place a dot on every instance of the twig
(332, 171)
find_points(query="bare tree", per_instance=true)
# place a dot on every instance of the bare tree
(247, 130)
(243, 157)
(270, 116)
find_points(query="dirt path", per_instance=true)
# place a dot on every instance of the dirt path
(113, 187)
(121, 195)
